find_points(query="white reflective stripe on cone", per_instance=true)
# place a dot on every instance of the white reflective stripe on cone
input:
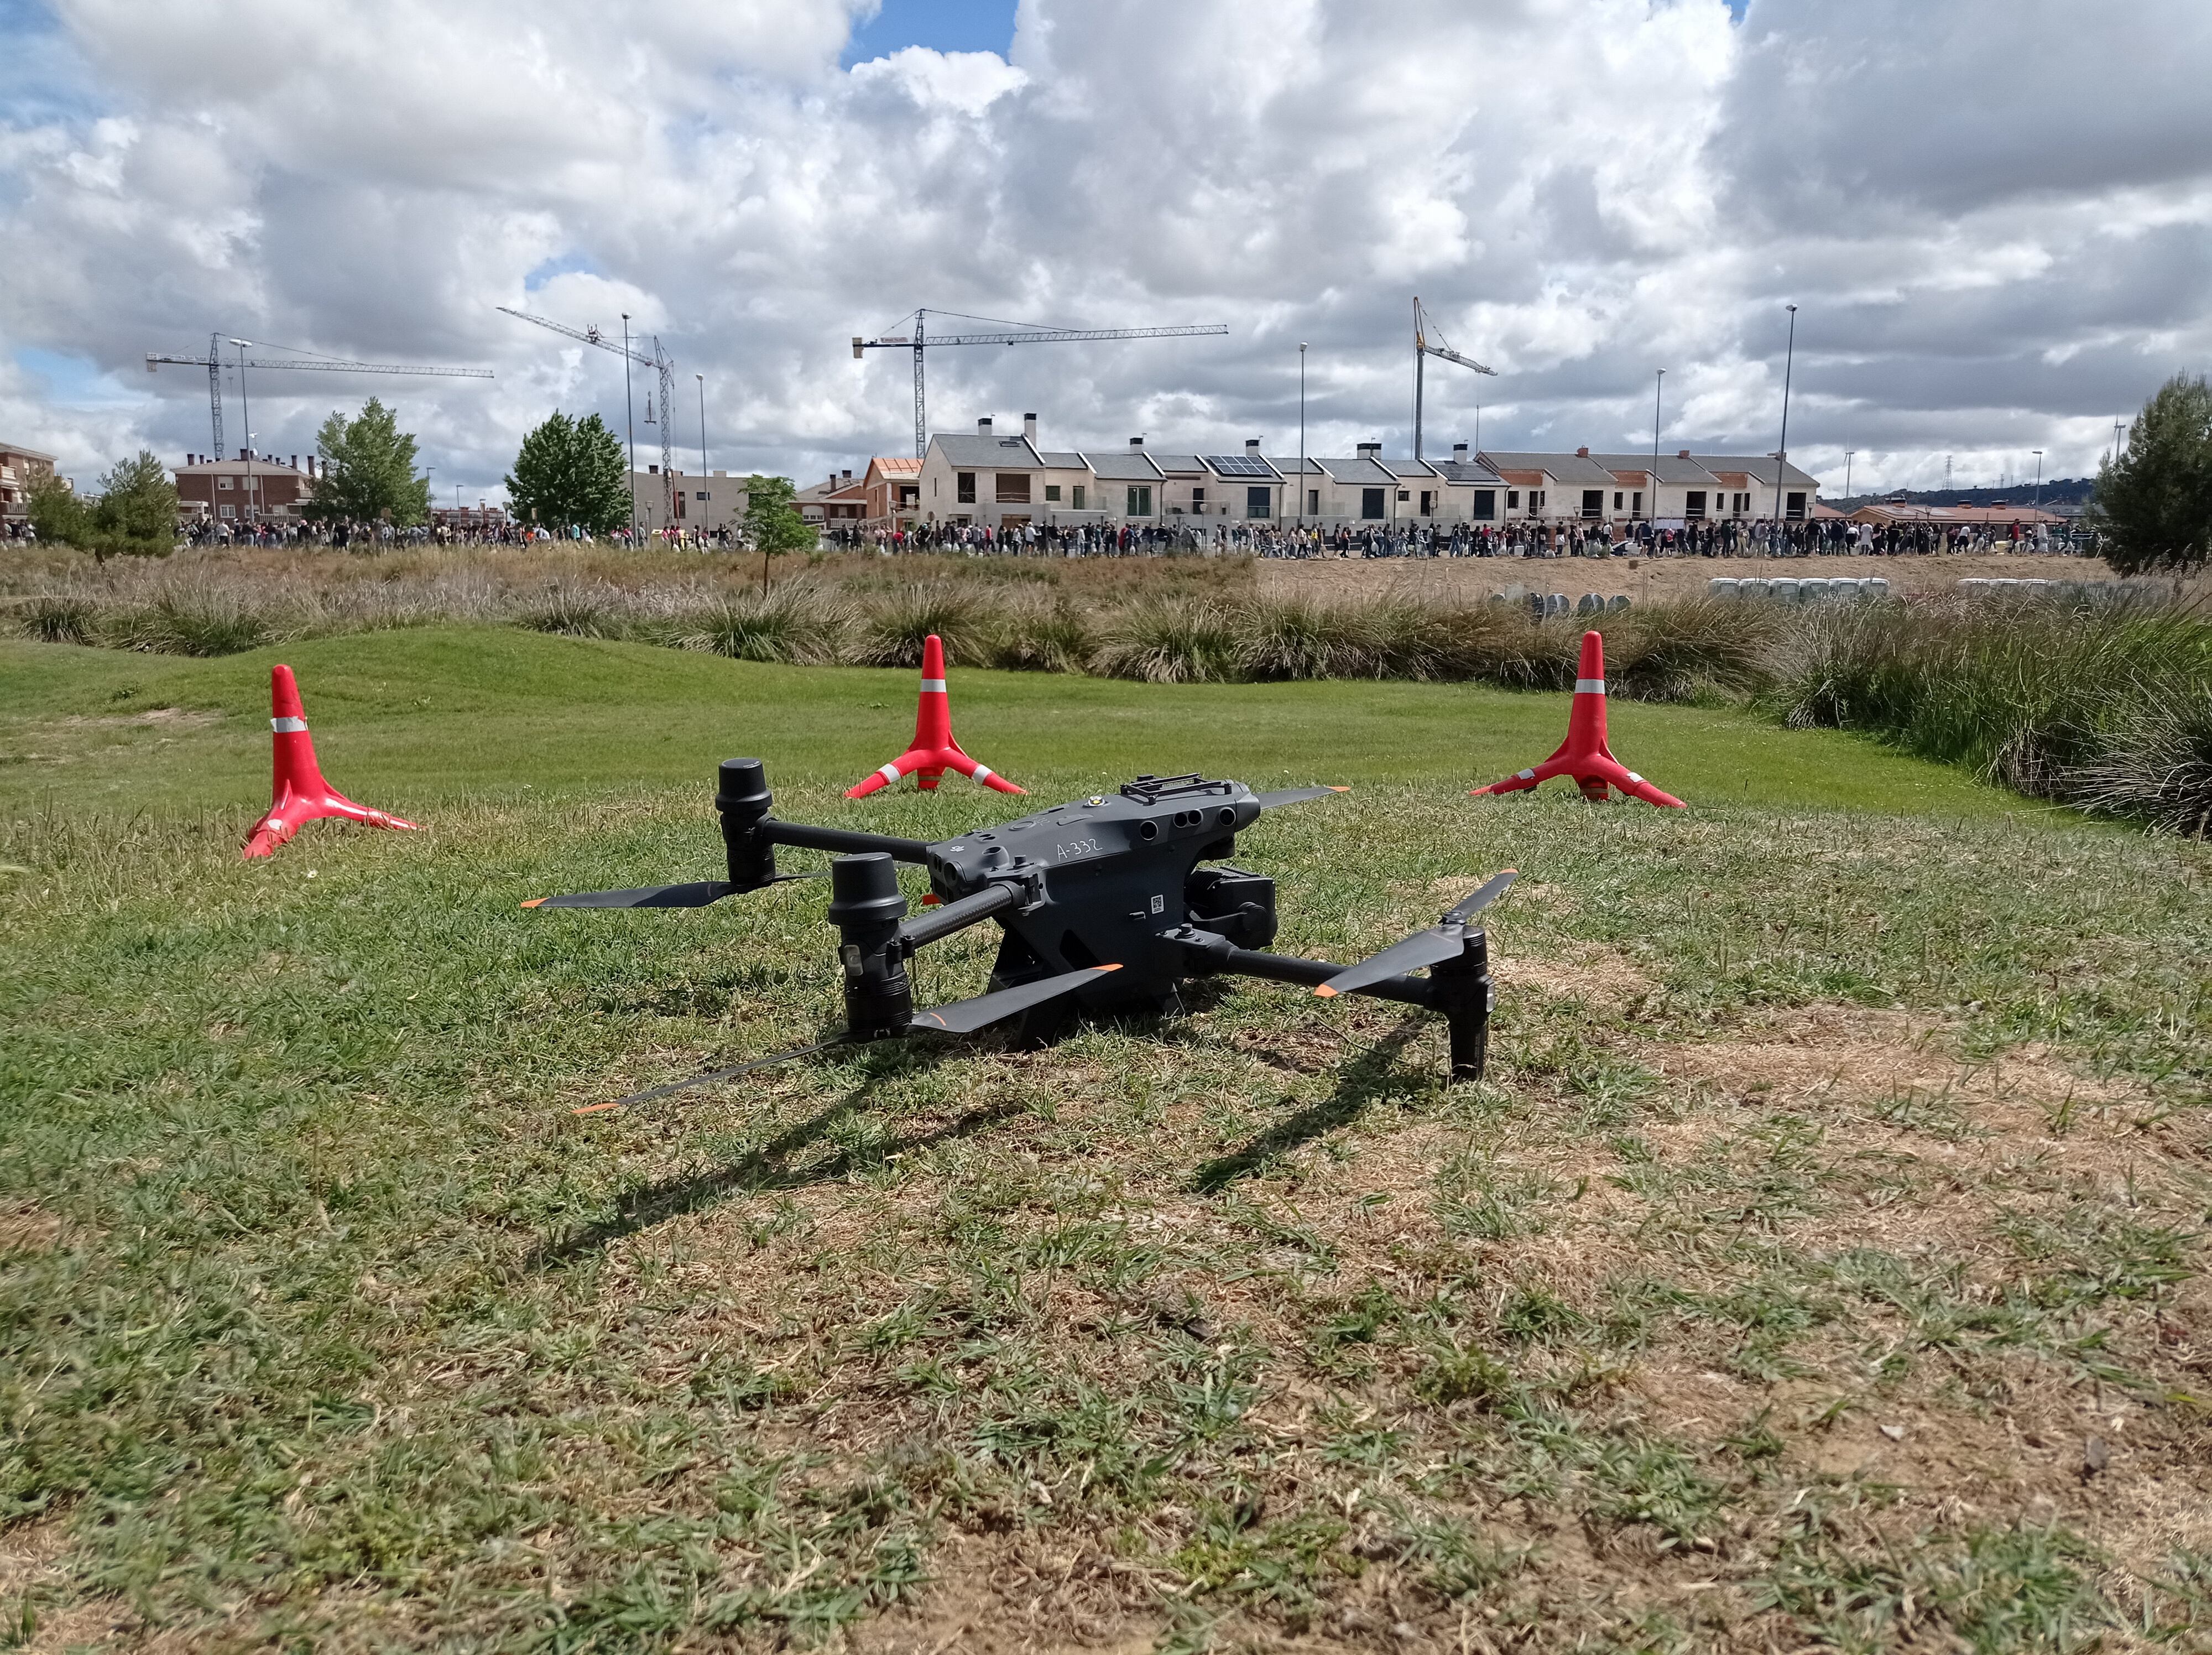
(982, 773)
(933, 686)
(1590, 686)
(888, 772)
(1633, 776)
(288, 726)
(1528, 776)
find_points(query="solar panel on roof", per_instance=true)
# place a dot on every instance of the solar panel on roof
(1240, 465)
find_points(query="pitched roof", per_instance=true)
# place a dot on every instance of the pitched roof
(967, 449)
(1239, 470)
(1124, 465)
(1759, 468)
(1360, 468)
(1061, 460)
(1178, 464)
(1465, 471)
(1570, 469)
(1672, 468)
(896, 464)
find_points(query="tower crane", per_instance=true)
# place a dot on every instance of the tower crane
(1422, 351)
(922, 340)
(213, 362)
(664, 365)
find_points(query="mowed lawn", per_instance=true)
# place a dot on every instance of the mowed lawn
(422, 716)
(1821, 1267)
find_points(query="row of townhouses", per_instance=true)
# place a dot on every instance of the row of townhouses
(1009, 481)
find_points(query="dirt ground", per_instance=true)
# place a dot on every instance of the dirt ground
(1647, 580)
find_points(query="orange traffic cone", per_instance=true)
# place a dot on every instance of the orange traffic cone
(300, 793)
(1584, 755)
(933, 752)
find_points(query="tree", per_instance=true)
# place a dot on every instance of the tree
(570, 471)
(2154, 501)
(137, 507)
(772, 520)
(370, 469)
(57, 516)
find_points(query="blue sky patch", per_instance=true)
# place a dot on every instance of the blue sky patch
(943, 25)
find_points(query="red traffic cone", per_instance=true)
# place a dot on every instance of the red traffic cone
(1584, 755)
(300, 794)
(934, 751)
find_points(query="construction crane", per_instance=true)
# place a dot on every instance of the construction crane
(664, 365)
(1018, 333)
(1422, 351)
(214, 364)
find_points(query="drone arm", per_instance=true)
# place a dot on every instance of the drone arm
(843, 841)
(1206, 951)
(933, 923)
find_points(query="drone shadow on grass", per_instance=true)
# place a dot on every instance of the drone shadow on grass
(769, 1168)
(1373, 1073)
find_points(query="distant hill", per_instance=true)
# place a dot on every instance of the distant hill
(2059, 491)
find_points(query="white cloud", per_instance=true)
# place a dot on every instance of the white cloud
(1994, 215)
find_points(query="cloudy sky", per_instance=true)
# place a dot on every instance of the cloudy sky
(1995, 217)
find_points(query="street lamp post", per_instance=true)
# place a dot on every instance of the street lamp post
(629, 411)
(2037, 506)
(1658, 385)
(1848, 452)
(1789, 361)
(1302, 433)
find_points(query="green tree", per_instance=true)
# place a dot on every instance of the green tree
(773, 522)
(57, 516)
(2154, 501)
(137, 507)
(370, 469)
(570, 471)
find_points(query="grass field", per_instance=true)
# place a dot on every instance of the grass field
(1820, 1267)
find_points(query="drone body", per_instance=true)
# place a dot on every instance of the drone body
(1103, 903)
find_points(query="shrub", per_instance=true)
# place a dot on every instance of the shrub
(2157, 767)
(795, 623)
(1041, 635)
(1279, 638)
(892, 627)
(1169, 641)
(574, 613)
(59, 620)
(1694, 651)
(194, 622)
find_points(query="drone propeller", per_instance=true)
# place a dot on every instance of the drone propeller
(966, 1016)
(697, 894)
(1440, 942)
(1295, 796)
(707, 1079)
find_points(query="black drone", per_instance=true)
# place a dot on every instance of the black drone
(1102, 903)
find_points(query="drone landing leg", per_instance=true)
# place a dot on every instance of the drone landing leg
(1463, 995)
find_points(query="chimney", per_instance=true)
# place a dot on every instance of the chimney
(1252, 447)
(1136, 442)
(849, 476)
(1029, 427)
(241, 453)
(983, 426)
(1370, 450)
(1681, 453)
(295, 462)
(1582, 454)
(1459, 451)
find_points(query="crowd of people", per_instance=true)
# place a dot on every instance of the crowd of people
(1729, 537)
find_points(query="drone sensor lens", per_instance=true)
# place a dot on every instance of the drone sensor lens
(1148, 830)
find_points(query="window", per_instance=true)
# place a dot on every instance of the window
(1485, 505)
(1013, 488)
(965, 483)
(1535, 503)
(1636, 506)
(1198, 501)
(1593, 503)
(1052, 492)
(910, 493)
(1795, 510)
(226, 483)
(1370, 502)
(1313, 503)
(1405, 494)
(1693, 502)
(701, 495)
(1513, 500)
(1738, 502)
(228, 511)
(1075, 492)
(1259, 502)
(1616, 500)
(1428, 503)
(1140, 500)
